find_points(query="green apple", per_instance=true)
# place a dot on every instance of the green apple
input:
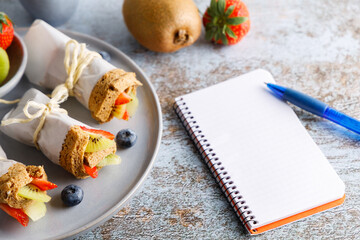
(4, 65)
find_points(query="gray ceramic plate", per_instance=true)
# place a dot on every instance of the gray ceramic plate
(115, 185)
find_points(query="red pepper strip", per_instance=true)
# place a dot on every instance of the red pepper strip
(93, 172)
(123, 98)
(18, 214)
(43, 185)
(126, 115)
(98, 131)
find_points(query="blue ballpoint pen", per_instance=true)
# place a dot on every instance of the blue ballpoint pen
(315, 106)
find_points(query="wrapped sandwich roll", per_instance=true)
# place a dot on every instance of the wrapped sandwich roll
(23, 190)
(65, 141)
(101, 87)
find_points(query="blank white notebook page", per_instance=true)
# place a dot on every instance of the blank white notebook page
(269, 155)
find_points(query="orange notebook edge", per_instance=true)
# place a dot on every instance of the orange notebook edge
(295, 217)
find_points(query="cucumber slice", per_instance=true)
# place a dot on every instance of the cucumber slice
(132, 105)
(111, 159)
(36, 210)
(98, 143)
(33, 193)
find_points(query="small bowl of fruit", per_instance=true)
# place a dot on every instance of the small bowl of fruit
(13, 56)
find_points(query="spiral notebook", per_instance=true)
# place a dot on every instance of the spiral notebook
(264, 160)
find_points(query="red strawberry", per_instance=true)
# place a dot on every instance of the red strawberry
(100, 132)
(226, 21)
(18, 214)
(6, 31)
(43, 185)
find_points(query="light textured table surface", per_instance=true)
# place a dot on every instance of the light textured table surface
(313, 46)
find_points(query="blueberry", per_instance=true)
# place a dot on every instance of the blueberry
(126, 138)
(72, 195)
(105, 55)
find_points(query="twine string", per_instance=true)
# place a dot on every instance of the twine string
(42, 111)
(75, 64)
(3, 101)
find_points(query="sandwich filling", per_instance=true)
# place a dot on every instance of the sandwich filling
(86, 150)
(114, 95)
(23, 192)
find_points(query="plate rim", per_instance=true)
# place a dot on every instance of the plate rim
(111, 212)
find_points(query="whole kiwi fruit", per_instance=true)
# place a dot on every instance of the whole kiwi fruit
(163, 25)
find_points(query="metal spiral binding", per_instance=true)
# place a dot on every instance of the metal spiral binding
(214, 163)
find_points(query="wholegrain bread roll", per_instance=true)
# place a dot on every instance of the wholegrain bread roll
(62, 139)
(99, 84)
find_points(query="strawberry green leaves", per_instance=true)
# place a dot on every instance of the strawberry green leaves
(229, 11)
(230, 32)
(236, 20)
(222, 18)
(213, 9)
(3, 20)
(221, 6)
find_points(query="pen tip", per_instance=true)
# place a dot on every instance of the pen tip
(266, 83)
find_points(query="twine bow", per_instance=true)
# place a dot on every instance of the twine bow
(75, 64)
(42, 111)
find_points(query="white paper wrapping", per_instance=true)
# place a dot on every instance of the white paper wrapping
(5, 163)
(53, 133)
(46, 50)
